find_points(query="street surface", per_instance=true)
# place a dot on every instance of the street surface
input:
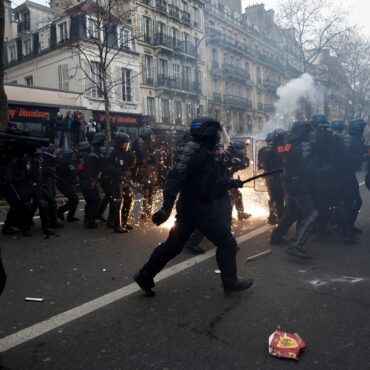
(190, 324)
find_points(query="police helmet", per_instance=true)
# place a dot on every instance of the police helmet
(67, 153)
(278, 133)
(99, 138)
(239, 144)
(146, 133)
(83, 147)
(269, 137)
(337, 126)
(122, 140)
(356, 127)
(205, 127)
(319, 120)
(300, 130)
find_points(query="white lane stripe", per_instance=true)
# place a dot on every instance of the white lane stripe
(54, 322)
(362, 183)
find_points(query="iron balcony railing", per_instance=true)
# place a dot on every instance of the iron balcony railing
(237, 101)
(24, 26)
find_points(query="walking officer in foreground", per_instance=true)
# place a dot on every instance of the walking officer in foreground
(197, 180)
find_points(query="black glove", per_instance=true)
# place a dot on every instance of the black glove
(367, 181)
(235, 183)
(161, 216)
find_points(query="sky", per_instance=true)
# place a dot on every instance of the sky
(359, 11)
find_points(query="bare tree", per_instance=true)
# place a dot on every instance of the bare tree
(315, 23)
(3, 97)
(108, 37)
(353, 53)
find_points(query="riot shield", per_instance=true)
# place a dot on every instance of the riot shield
(259, 184)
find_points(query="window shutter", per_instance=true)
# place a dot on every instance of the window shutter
(86, 83)
(118, 77)
(136, 86)
(65, 77)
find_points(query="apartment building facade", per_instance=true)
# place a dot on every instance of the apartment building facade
(171, 46)
(248, 58)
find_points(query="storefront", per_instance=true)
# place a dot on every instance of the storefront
(30, 117)
(129, 123)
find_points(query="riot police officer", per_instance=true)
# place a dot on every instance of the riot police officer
(196, 177)
(299, 171)
(146, 170)
(271, 157)
(355, 155)
(118, 164)
(237, 160)
(66, 184)
(89, 172)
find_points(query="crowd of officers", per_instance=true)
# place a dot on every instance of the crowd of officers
(318, 187)
(107, 174)
(103, 172)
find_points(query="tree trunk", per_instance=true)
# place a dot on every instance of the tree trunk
(3, 97)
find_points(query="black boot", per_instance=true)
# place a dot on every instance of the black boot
(145, 282)
(237, 285)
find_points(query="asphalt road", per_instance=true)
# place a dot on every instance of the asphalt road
(190, 324)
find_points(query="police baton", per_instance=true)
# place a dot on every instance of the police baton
(278, 170)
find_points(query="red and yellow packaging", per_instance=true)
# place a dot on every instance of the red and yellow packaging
(285, 345)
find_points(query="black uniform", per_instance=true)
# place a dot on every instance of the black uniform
(89, 177)
(66, 183)
(236, 161)
(197, 180)
(146, 173)
(118, 164)
(299, 172)
(270, 158)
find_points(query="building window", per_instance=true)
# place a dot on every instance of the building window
(196, 18)
(125, 40)
(165, 105)
(12, 53)
(27, 49)
(126, 85)
(178, 112)
(63, 32)
(92, 29)
(148, 70)
(214, 54)
(147, 29)
(96, 80)
(63, 77)
(28, 80)
(150, 104)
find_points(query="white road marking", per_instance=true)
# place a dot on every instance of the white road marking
(54, 322)
(362, 183)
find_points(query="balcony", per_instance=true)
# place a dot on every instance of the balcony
(174, 11)
(169, 82)
(185, 47)
(148, 81)
(161, 39)
(217, 98)
(166, 120)
(148, 38)
(269, 108)
(161, 5)
(147, 2)
(260, 107)
(24, 26)
(235, 72)
(271, 84)
(185, 17)
(188, 85)
(237, 101)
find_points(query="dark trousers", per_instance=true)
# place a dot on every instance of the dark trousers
(301, 209)
(92, 199)
(128, 198)
(194, 214)
(105, 184)
(71, 205)
(2, 276)
(116, 202)
(276, 202)
(237, 200)
(223, 208)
